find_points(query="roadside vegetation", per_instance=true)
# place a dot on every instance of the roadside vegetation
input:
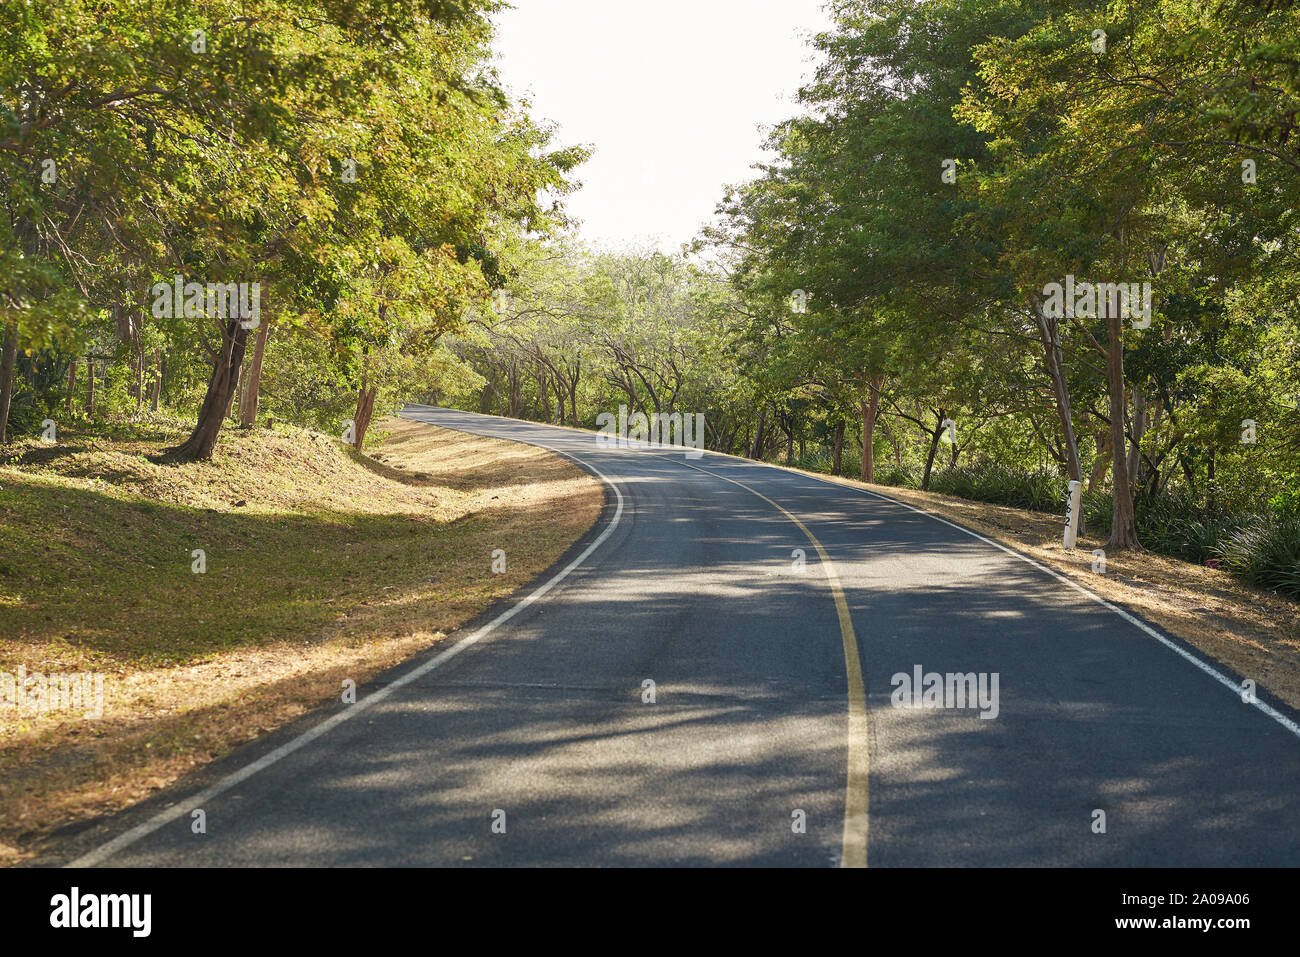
(1261, 546)
(886, 298)
(244, 211)
(234, 234)
(319, 566)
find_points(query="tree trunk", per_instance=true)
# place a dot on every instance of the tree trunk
(1049, 336)
(221, 387)
(515, 382)
(1138, 430)
(235, 393)
(8, 358)
(897, 446)
(758, 437)
(934, 448)
(253, 383)
(90, 385)
(157, 381)
(1100, 464)
(543, 411)
(72, 385)
(869, 407)
(365, 407)
(868, 442)
(837, 465)
(365, 411)
(1123, 529)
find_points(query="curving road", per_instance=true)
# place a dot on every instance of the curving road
(689, 581)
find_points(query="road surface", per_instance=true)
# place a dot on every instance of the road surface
(773, 735)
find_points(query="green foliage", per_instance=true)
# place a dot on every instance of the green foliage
(1261, 548)
(404, 217)
(1265, 552)
(356, 158)
(816, 460)
(1039, 490)
(1164, 155)
(898, 476)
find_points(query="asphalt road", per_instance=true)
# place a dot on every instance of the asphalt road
(688, 581)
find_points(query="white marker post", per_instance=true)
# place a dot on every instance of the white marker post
(1072, 500)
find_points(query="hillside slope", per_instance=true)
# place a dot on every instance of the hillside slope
(318, 565)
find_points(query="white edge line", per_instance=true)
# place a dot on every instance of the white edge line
(1200, 663)
(178, 810)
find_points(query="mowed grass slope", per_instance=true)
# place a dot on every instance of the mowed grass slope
(321, 565)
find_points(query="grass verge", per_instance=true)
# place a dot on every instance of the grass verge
(319, 565)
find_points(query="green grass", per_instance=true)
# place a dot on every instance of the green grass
(1038, 490)
(116, 572)
(96, 556)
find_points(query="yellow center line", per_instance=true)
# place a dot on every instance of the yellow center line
(854, 841)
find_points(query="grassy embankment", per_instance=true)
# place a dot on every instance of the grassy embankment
(321, 566)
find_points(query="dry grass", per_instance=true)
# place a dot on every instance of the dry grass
(322, 565)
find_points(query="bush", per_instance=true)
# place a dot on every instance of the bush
(1265, 552)
(897, 476)
(1262, 549)
(1096, 511)
(38, 389)
(1039, 490)
(818, 460)
(1173, 523)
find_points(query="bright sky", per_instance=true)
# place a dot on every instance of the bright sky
(671, 93)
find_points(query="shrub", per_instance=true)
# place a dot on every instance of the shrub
(1265, 551)
(818, 460)
(1039, 490)
(898, 476)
